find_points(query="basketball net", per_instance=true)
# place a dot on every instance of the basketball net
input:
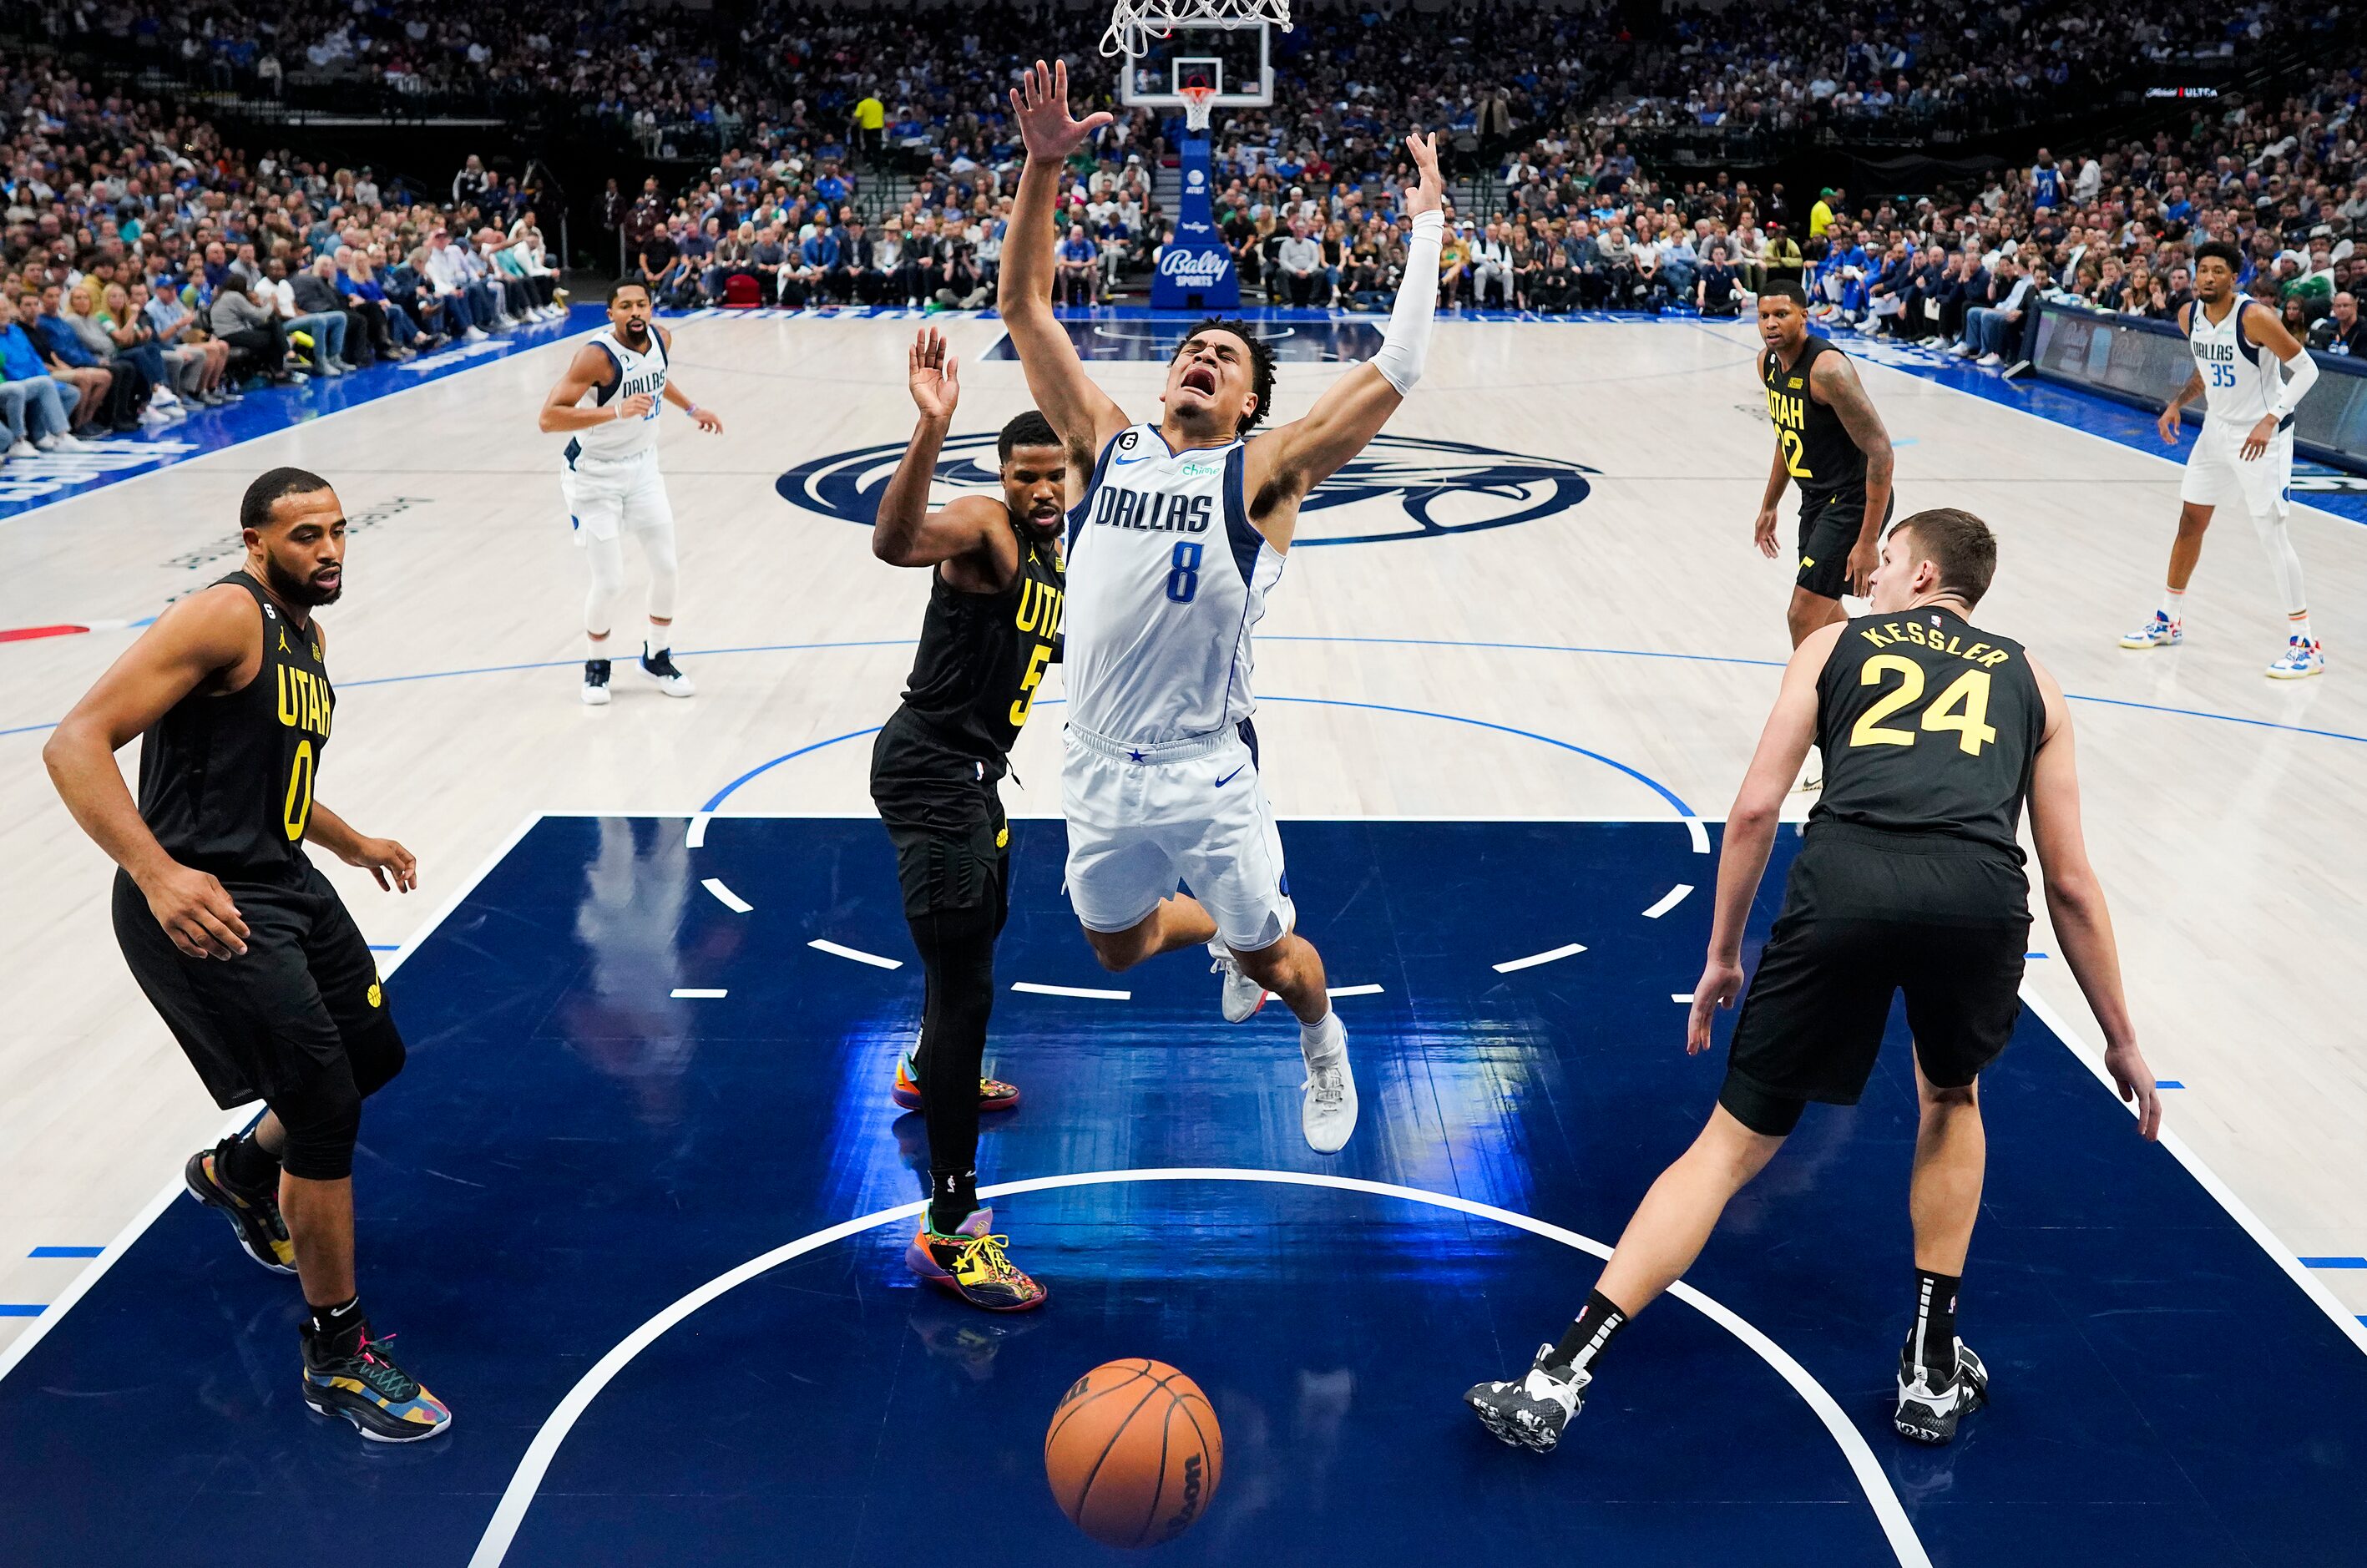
(1134, 23)
(1196, 102)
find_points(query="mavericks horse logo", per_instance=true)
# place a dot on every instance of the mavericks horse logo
(1398, 488)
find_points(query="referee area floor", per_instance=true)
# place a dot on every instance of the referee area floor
(637, 1205)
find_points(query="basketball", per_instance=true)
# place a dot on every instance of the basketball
(1133, 1453)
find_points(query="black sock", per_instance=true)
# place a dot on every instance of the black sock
(246, 1167)
(1932, 1343)
(1591, 1334)
(953, 1196)
(339, 1329)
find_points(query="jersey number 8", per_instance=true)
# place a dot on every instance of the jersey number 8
(1962, 707)
(1183, 572)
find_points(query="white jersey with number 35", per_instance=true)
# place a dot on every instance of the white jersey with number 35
(1166, 578)
(2240, 380)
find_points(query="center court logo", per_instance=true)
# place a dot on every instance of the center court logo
(1399, 487)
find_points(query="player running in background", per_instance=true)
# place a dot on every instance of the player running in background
(611, 482)
(1910, 877)
(1178, 532)
(235, 936)
(991, 631)
(2244, 456)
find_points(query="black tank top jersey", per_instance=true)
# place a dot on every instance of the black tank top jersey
(1929, 726)
(226, 777)
(1816, 446)
(984, 656)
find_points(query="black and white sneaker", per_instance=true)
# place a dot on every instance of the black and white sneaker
(1531, 1413)
(1928, 1408)
(595, 682)
(660, 669)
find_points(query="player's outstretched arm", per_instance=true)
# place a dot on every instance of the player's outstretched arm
(1750, 828)
(1080, 412)
(705, 418)
(191, 643)
(1832, 381)
(2075, 902)
(1284, 464)
(590, 367)
(905, 532)
(2301, 375)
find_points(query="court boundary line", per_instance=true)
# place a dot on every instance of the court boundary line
(2283, 1257)
(22, 1345)
(526, 1483)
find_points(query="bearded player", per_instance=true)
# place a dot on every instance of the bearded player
(1178, 528)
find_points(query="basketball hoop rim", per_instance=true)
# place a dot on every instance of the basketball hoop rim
(1198, 104)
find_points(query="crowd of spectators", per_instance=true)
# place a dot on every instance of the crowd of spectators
(147, 269)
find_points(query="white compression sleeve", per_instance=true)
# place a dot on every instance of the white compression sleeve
(1408, 340)
(2301, 374)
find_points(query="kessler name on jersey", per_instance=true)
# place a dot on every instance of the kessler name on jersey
(1153, 510)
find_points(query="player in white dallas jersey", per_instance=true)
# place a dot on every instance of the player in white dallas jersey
(2244, 456)
(609, 477)
(1174, 541)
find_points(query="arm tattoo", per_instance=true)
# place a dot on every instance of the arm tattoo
(1841, 391)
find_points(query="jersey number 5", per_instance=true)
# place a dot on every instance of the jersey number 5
(1962, 707)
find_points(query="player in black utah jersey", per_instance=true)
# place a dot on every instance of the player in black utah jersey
(1909, 878)
(992, 631)
(1830, 442)
(232, 932)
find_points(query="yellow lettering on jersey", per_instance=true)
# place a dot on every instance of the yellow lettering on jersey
(1891, 632)
(304, 701)
(286, 695)
(1040, 607)
(1034, 678)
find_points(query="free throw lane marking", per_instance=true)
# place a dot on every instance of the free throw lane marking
(1087, 992)
(1676, 897)
(1684, 997)
(1568, 949)
(858, 954)
(726, 897)
(689, 994)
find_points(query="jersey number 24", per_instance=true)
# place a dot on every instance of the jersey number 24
(1963, 706)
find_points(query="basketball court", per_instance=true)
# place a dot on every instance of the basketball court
(637, 1205)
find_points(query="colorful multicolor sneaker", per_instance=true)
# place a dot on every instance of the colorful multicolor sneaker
(971, 1263)
(385, 1403)
(254, 1216)
(993, 1093)
(2303, 657)
(2159, 633)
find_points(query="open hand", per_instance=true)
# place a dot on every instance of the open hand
(195, 911)
(2262, 434)
(1041, 103)
(935, 375)
(1863, 557)
(2168, 426)
(396, 868)
(1720, 984)
(2126, 1064)
(708, 420)
(1762, 532)
(1429, 192)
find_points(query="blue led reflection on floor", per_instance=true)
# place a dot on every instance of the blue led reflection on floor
(571, 1150)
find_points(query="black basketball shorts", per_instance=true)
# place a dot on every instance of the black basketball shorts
(1867, 915)
(943, 815)
(267, 1022)
(1830, 523)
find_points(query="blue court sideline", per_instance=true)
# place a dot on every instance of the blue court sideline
(573, 1148)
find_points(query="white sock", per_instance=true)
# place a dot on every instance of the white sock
(1324, 1041)
(595, 647)
(2171, 599)
(661, 637)
(2297, 625)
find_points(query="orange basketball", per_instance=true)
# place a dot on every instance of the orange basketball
(1133, 1453)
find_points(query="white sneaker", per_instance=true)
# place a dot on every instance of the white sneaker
(2303, 657)
(67, 441)
(163, 398)
(1327, 1102)
(45, 443)
(595, 682)
(2159, 633)
(1992, 358)
(1242, 996)
(1962, 350)
(474, 335)
(154, 417)
(24, 450)
(660, 670)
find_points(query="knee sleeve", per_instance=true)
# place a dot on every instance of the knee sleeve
(324, 1118)
(606, 559)
(657, 547)
(377, 1054)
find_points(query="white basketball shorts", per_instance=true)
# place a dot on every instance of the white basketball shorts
(1191, 812)
(2217, 475)
(605, 499)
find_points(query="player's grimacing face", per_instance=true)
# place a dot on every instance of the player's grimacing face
(1211, 373)
(1036, 487)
